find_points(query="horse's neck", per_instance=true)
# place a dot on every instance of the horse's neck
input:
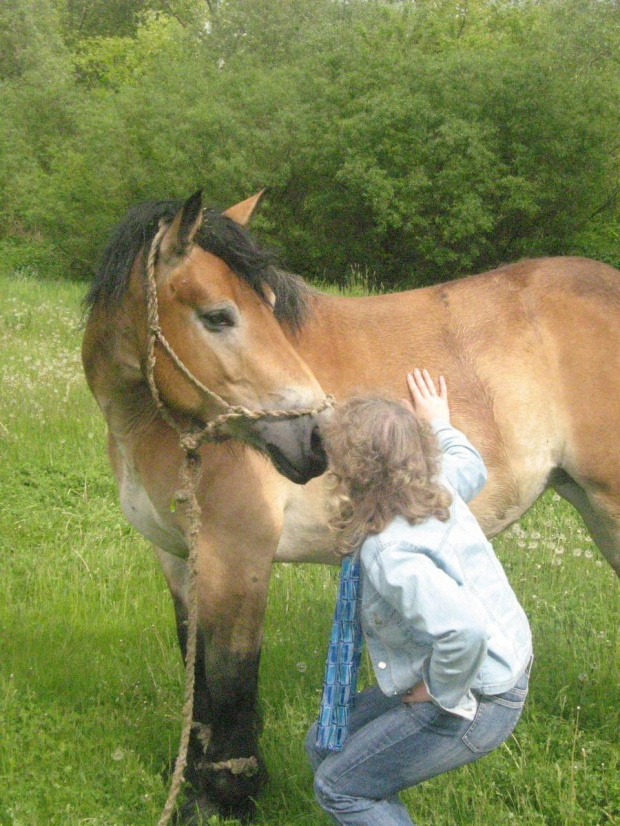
(349, 342)
(113, 371)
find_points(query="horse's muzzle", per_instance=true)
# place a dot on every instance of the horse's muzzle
(294, 446)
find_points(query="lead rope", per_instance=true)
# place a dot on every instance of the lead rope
(190, 440)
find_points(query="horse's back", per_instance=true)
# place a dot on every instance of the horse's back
(533, 287)
(512, 318)
(583, 277)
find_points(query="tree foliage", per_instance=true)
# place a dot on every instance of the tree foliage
(416, 140)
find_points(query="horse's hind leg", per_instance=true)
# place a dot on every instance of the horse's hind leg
(600, 513)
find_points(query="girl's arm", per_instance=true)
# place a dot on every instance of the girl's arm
(462, 465)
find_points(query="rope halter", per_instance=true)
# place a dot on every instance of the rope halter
(214, 429)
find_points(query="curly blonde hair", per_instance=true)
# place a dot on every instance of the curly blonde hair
(384, 462)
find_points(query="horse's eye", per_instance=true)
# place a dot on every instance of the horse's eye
(216, 320)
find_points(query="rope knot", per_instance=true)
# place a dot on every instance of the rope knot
(246, 766)
(190, 442)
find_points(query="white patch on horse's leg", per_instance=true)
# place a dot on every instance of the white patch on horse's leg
(604, 528)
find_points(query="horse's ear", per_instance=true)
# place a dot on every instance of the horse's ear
(242, 212)
(179, 236)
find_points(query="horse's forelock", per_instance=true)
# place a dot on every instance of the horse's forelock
(134, 233)
(219, 235)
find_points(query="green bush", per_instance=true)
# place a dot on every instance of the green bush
(415, 141)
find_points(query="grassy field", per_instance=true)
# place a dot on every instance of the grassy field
(90, 676)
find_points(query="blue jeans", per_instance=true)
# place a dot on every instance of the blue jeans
(393, 745)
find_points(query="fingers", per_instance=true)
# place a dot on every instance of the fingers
(428, 381)
(422, 386)
(417, 385)
(421, 383)
(413, 389)
(428, 404)
(443, 389)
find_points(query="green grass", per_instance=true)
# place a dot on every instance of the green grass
(90, 676)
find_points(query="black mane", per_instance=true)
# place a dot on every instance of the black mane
(218, 235)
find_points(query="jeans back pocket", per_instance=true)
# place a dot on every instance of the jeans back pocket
(496, 718)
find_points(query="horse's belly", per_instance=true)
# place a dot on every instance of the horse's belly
(142, 514)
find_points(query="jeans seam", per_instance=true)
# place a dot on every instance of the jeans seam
(430, 725)
(499, 701)
(375, 753)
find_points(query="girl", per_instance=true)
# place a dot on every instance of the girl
(448, 641)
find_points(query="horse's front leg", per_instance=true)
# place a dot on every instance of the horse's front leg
(224, 763)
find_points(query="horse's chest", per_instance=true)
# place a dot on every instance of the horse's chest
(140, 512)
(305, 534)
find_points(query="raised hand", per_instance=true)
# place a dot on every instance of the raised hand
(428, 404)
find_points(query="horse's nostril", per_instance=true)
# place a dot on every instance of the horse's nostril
(316, 442)
(318, 457)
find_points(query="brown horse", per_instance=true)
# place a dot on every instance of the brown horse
(532, 358)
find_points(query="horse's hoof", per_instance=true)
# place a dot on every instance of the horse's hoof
(196, 811)
(199, 809)
(233, 785)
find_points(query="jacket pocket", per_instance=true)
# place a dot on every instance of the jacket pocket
(381, 620)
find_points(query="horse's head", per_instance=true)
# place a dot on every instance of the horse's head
(217, 298)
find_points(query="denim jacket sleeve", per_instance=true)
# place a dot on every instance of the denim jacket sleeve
(462, 465)
(438, 609)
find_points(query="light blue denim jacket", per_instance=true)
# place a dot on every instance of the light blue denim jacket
(436, 603)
